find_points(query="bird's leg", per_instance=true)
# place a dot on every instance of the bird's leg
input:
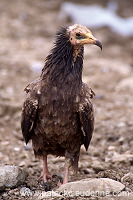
(66, 166)
(66, 171)
(45, 174)
(70, 160)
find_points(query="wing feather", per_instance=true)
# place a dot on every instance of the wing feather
(29, 111)
(87, 122)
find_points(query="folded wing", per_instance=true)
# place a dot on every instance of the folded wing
(29, 114)
(87, 122)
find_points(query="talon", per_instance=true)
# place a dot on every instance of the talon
(45, 176)
(47, 186)
(58, 179)
(40, 177)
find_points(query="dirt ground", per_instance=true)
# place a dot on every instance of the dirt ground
(27, 30)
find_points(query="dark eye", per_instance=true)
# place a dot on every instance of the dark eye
(78, 34)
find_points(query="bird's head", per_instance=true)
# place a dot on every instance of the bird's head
(80, 35)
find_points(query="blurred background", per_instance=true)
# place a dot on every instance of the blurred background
(27, 31)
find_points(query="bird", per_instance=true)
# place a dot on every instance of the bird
(57, 114)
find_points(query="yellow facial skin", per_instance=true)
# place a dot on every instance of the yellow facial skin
(80, 35)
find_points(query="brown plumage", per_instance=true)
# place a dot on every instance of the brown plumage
(57, 114)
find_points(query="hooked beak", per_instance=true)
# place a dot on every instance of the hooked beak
(98, 43)
(90, 39)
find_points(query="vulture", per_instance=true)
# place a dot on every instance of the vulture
(57, 114)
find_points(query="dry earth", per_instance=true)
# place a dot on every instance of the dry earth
(26, 36)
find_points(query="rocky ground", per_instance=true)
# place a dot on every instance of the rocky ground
(26, 36)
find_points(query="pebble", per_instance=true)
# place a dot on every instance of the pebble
(91, 187)
(11, 176)
(111, 148)
(109, 173)
(28, 147)
(22, 163)
(36, 67)
(121, 140)
(126, 83)
(88, 170)
(17, 149)
(121, 157)
(97, 166)
(122, 124)
(127, 178)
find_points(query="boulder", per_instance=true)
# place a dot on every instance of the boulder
(11, 176)
(91, 187)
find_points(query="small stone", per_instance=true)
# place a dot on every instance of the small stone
(5, 194)
(122, 124)
(111, 148)
(121, 140)
(97, 167)
(88, 170)
(28, 147)
(127, 178)
(22, 163)
(11, 176)
(112, 174)
(5, 143)
(126, 83)
(36, 67)
(122, 157)
(16, 149)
